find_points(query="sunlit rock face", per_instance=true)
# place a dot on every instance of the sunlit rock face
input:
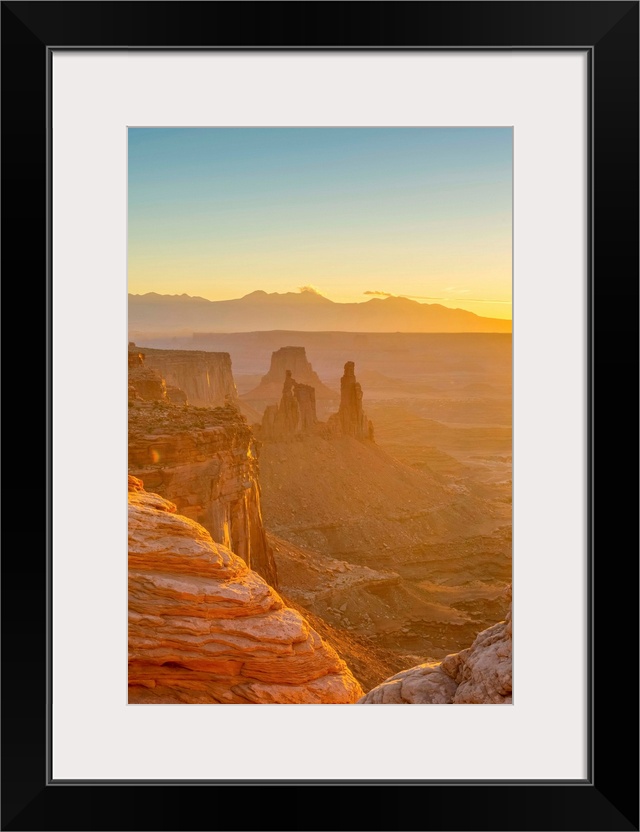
(204, 628)
(350, 420)
(479, 675)
(205, 461)
(205, 377)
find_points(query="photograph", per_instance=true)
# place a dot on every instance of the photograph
(320, 415)
(370, 270)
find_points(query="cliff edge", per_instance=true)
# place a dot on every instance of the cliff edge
(204, 628)
(479, 675)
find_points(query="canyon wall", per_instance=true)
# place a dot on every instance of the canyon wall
(204, 628)
(205, 461)
(479, 675)
(205, 377)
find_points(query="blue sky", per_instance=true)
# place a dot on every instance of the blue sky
(421, 212)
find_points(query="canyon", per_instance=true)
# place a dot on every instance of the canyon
(388, 531)
(435, 548)
(430, 562)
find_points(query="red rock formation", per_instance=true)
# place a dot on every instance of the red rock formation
(204, 460)
(350, 420)
(306, 397)
(145, 384)
(294, 416)
(204, 628)
(205, 377)
(294, 360)
(479, 675)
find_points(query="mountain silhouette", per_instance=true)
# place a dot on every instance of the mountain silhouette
(305, 310)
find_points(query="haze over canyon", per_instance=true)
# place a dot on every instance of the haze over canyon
(320, 501)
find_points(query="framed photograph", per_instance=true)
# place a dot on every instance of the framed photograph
(348, 449)
(302, 190)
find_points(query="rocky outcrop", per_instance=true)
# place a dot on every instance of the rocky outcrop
(294, 416)
(204, 628)
(145, 384)
(204, 377)
(305, 395)
(350, 420)
(176, 395)
(292, 360)
(134, 358)
(479, 675)
(205, 461)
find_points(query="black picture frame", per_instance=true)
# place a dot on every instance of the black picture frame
(608, 798)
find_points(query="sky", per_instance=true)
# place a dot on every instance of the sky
(351, 212)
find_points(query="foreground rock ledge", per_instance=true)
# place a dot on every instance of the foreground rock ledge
(204, 628)
(479, 675)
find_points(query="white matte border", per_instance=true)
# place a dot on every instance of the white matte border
(96, 735)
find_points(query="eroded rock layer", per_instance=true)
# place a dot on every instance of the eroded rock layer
(205, 377)
(204, 628)
(145, 384)
(205, 461)
(479, 675)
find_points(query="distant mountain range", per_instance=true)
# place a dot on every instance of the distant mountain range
(306, 310)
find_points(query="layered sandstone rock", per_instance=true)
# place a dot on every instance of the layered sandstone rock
(294, 416)
(205, 377)
(145, 384)
(204, 628)
(292, 360)
(350, 420)
(205, 461)
(479, 675)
